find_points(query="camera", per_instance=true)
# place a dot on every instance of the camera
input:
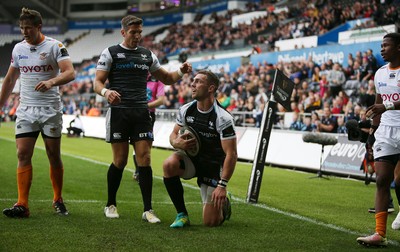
(354, 132)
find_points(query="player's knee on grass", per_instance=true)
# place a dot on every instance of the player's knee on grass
(212, 217)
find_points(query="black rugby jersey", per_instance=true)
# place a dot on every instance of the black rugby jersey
(128, 70)
(212, 126)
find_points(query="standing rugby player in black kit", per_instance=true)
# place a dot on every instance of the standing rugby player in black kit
(126, 67)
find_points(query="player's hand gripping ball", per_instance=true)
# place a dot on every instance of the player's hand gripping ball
(191, 134)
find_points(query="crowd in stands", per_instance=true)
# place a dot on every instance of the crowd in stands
(325, 95)
(298, 19)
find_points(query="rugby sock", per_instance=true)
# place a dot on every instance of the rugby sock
(146, 185)
(380, 223)
(24, 181)
(114, 176)
(56, 176)
(175, 190)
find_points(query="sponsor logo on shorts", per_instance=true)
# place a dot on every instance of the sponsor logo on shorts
(117, 135)
(146, 135)
(53, 130)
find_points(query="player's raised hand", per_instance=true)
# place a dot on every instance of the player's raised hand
(186, 67)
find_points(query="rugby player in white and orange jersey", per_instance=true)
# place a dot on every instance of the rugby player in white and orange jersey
(42, 64)
(385, 129)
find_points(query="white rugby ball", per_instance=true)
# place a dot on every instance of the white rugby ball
(191, 134)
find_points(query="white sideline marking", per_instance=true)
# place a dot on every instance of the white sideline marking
(239, 200)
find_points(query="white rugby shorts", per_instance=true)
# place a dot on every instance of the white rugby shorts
(45, 119)
(190, 171)
(206, 193)
(387, 141)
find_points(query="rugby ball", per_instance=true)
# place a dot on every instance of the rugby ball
(191, 133)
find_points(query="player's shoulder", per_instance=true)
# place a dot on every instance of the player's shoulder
(383, 68)
(143, 49)
(188, 105)
(144, 52)
(21, 44)
(113, 48)
(53, 41)
(221, 111)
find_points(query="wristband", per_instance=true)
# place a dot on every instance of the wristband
(103, 91)
(179, 72)
(223, 183)
(389, 105)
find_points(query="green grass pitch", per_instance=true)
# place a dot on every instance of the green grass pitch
(294, 213)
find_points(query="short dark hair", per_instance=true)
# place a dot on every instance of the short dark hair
(394, 36)
(130, 20)
(212, 78)
(30, 15)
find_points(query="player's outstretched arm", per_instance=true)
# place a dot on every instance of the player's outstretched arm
(169, 78)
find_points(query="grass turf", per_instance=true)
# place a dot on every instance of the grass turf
(294, 213)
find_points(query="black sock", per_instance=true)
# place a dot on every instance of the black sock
(114, 177)
(175, 190)
(146, 185)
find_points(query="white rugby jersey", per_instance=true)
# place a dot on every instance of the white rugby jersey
(37, 63)
(387, 84)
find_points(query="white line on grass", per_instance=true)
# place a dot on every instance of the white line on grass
(240, 200)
